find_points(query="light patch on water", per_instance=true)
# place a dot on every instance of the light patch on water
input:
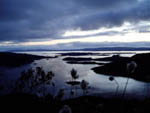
(98, 84)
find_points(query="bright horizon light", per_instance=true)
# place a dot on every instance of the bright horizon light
(126, 33)
(130, 37)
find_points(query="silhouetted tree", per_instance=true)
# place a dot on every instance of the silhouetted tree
(74, 74)
(32, 80)
(73, 83)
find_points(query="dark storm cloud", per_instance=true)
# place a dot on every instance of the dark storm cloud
(28, 20)
(103, 4)
(28, 9)
(139, 11)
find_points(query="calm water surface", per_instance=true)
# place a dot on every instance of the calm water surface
(99, 84)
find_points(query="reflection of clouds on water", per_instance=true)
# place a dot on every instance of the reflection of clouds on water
(13, 73)
(9, 76)
(98, 83)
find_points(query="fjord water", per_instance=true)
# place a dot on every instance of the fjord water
(99, 84)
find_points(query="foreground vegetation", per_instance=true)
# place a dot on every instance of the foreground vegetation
(25, 103)
(24, 98)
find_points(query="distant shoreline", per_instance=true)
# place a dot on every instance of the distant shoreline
(88, 49)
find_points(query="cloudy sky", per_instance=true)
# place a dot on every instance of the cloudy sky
(63, 24)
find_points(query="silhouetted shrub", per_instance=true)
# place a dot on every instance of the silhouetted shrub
(33, 81)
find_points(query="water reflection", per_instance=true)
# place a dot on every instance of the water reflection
(99, 84)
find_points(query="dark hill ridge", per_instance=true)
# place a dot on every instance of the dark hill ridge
(8, 59)
(91, 49)
(118, 67)
(118, 49)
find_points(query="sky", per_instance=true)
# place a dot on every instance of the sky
(74, 24)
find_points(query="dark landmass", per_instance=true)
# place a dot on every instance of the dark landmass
(93, 54)
(81, 54)
(8, 59)
(77, 59)
(91, 104)
(75, 62)
(113, 58)
(92, 49)
(118, 67)
(81, 60)
(25, 103)
(118, 49)
(73, 83)
(89, 60)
